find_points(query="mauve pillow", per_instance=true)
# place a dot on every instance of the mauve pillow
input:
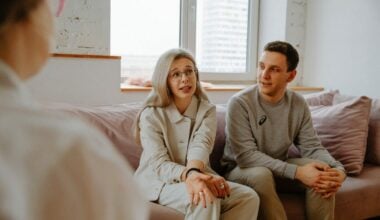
(373, 144)
(343, 130)
(115, 121)
(373, 140)
(321, 98)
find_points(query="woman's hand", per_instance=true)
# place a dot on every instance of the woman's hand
(198, 189)
(218, 186)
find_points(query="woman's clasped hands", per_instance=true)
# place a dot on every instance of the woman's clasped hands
(204, 188)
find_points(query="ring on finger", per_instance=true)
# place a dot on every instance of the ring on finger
(221, 185)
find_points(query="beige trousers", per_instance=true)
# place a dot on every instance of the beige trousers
(262, 181)
(243, 203)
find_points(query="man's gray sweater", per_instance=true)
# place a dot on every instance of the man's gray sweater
(259, 133)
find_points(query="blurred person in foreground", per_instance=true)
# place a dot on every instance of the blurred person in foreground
(51, 166)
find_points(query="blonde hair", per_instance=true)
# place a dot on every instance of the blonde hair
(161, 96)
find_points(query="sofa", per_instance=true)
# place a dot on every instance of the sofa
(358, 198)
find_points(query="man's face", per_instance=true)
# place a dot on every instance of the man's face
(273, 75)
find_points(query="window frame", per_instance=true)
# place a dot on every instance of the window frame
(188, 40)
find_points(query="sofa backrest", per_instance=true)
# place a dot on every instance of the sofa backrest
(116, 122)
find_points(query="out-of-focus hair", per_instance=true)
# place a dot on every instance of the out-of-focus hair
(13, 11)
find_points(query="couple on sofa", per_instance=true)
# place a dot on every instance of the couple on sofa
(177, 128)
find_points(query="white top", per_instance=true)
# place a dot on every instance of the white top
(56, 167)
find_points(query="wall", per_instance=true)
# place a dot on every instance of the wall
(342, 46)
(84, 27)
(79, 81)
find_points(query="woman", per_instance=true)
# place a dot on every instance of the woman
(177, 129)
(51, 166)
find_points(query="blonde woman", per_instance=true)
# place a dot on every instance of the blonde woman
(176, 129)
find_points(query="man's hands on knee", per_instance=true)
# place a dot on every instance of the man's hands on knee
(330, 181)
(321, 177)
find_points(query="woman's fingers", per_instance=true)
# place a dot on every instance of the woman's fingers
(227, 188)
(202, 199)
(196, 198)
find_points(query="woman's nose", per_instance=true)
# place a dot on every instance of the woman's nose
(184, 77)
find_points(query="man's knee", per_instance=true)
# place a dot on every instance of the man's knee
(262, 177)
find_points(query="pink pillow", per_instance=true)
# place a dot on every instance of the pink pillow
(321, 98)
(373, 148)
(343, 130)
(373, 140)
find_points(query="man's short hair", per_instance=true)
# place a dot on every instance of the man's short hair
(286, 49)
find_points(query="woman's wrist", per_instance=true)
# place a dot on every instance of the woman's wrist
(189, 171)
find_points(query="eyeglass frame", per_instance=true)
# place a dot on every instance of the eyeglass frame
(189, 73)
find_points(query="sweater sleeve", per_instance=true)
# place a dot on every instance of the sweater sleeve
(152, 141)
(204, 136)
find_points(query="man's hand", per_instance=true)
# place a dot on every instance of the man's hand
(310, 174)
(330, 182)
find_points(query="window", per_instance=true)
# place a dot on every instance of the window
(222, 34)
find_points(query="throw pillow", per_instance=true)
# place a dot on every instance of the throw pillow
(373, 140)
(373, 145)
(343, 130)
(321, 98)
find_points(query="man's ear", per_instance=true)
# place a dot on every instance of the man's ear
(292, 75)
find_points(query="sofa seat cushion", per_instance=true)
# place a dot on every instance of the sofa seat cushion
(359, 196)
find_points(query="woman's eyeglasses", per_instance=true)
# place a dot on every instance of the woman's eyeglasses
(177, 75)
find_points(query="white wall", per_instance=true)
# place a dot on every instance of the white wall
(79, 81)
(343, 46)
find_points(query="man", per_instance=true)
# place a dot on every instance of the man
(263, 121)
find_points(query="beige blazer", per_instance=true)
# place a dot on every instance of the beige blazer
(169, 139)
(56, 167)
